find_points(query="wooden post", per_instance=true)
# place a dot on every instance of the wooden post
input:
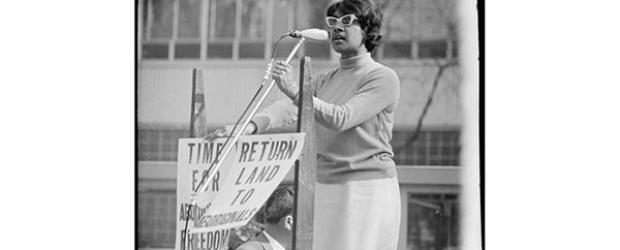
(198, 117)
(305, 167)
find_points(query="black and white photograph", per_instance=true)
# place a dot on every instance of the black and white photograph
(376, 87)
(309, 124)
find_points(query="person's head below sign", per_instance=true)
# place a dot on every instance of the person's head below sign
(278, 222)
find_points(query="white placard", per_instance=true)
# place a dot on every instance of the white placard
(250, 173)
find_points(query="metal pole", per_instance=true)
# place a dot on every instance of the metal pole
(228, 147)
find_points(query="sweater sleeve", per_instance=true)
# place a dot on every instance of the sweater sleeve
(378, 92)
(283, 113)
(280, 114)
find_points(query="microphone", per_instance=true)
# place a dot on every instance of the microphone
(315, 34)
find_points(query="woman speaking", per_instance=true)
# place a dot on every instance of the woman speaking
(357, 198)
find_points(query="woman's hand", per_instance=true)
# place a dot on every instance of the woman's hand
(283, 80)
(228, 129)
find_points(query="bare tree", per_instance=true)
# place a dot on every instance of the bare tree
(427, 105)
(452, 38)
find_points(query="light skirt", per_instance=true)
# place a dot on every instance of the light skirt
(357, 215)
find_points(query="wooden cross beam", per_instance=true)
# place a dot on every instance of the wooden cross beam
(305, 167)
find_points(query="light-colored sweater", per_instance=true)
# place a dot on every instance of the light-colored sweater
(354, 108)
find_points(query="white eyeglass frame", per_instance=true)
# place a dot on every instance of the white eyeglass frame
(339, 20)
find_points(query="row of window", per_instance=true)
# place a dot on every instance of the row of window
(156, 218)
(431, 148)
(317, 50)
(248, 29)
(432, 220)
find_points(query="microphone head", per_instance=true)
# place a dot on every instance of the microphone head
(315, 34)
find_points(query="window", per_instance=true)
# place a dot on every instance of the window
(252, 43)
(159, 144)
(431, 148)
(418, 29)
(189, 19)
(156, 218)
(432, 222)
(213, 29)
(161, 20)
(397, 29)
(155, 51)
(187, 45)
(247, 29)
(433, 49)
(316, 19)
(158, 28)
(222, 15)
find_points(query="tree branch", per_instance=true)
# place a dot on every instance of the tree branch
(427, 105)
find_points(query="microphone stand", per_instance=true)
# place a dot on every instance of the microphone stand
(228, 147)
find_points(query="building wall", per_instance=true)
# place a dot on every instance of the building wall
(164, 91)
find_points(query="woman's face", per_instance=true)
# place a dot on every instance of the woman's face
(346, 38)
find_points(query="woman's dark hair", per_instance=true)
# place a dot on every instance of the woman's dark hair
(279, 204)
(369, 17)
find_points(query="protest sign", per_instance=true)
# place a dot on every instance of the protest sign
(246, 178)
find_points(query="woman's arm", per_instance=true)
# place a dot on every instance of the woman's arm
(228, 129)
(280, 114)
(381, 90)
(283, 113)
(378, 93)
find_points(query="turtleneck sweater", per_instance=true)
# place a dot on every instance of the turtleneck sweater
(354, 107)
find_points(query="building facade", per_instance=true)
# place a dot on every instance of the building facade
(231, 41)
